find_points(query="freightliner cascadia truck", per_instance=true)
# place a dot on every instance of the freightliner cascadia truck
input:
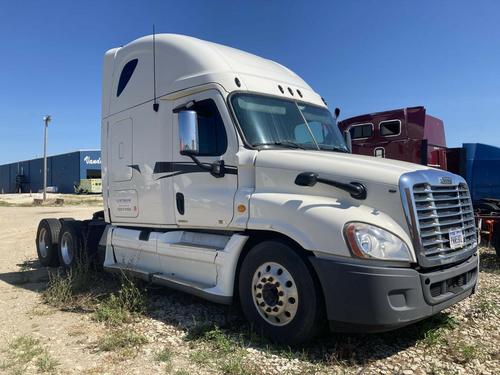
(225, 176)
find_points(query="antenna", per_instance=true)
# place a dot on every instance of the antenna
(156, 105)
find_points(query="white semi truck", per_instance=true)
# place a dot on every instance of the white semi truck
(225, 176)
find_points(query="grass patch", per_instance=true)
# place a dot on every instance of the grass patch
(467, 353)
(123, 306)
(46, 363)
(121, 339)
(486, 306)
(221, 351)
(435, 327)
(60, 289)
(23, 351)
(78, 288)
(428, 332)
(464, 353)
(202, 357)
(83, 202)
(65, 286)
(165, 355)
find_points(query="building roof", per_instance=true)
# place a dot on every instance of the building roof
(51, 156)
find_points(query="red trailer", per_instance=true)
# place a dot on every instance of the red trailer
(410, 134)
(407, 134)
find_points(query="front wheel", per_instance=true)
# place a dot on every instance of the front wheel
(279, 295)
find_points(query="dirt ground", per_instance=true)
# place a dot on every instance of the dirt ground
(38, 338)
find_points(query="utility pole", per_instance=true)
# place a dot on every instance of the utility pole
(46, 120)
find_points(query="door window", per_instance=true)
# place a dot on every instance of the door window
(211, 132)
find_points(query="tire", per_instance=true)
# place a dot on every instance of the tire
(487, 207)
(47, 240)
(70, 244)
(279, 295)
(496, 239)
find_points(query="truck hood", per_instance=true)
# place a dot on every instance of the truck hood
(335, 164)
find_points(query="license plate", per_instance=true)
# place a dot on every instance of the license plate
(456, 238)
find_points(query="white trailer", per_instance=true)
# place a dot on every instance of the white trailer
(225, 175)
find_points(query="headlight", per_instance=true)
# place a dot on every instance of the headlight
(369, 241)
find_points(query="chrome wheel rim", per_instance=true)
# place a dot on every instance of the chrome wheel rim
(67, 248)
(275, 294)
(43, 243)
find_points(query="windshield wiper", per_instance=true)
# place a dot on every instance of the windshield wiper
(281, 143)
(334, 149)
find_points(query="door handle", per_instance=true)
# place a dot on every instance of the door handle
(179, 200)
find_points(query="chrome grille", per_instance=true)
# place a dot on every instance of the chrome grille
(439, 210)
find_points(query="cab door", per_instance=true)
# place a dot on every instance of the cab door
(202, 200)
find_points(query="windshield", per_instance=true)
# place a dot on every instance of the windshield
(285, 123)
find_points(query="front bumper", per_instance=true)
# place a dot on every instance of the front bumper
(361, 298)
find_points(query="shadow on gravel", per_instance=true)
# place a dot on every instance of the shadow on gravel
(198, 318)
(490, 262)
(31, 276)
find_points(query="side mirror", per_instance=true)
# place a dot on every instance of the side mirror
(348, 140)
(336, 112)
(306, 179)
(188, 133)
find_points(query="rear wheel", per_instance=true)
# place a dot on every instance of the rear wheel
(47, 238)
(279, 294)
(70, 244)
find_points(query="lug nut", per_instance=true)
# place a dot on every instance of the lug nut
(259, 295)
(275, 309)
(259, 286)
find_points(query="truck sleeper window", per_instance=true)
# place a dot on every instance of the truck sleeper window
(275, 122)
(361, 131)
(390, 128)
(125, 75)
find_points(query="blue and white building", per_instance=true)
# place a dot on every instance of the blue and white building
(64, 171)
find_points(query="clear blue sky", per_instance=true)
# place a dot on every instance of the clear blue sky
(363, 56)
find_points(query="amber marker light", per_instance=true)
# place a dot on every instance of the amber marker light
(350, 232)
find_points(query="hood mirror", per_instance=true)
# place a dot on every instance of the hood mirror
(306, 179)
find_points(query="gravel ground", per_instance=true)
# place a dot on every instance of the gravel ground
(181, 334)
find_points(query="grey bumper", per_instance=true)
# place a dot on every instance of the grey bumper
(362, 298)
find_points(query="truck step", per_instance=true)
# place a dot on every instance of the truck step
(204, 291)
(127, 270)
